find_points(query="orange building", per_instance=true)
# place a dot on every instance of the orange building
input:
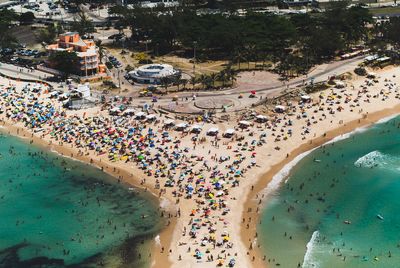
(86, 50)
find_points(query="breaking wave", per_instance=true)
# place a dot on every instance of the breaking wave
(373, 159)
(309, 260)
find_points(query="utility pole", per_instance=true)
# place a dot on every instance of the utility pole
(119, 80)
(194, 59)
(86, 65)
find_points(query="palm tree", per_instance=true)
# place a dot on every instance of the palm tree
(184, 83)
(202, 80)
(230, 74)
(164, 83)
(238, 57)
(213, 78)
(101, 50)
(193, 80)
(250, 54)
(220, 77)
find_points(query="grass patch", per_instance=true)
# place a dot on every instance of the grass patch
(385, 10)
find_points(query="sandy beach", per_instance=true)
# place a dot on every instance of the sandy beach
(216, 221)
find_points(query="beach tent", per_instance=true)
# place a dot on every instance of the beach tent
(169, 122)
(371, 75)
(212, 131)
(244, 124)
(140, 115)
(129, 111)
(181, 126)
(339, 84)
(261, 118)
(280, 108)
(151, 117)
(54, 94)
(305, 98)
(63, 97)
(229, 132)
(196, 128)
(114, 111)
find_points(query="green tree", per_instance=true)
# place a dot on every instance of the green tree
(83, 25)
(7, 18)
(48, 34)
(66, 62)
(27, 18)
(101, 50)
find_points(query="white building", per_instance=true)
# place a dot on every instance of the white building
(154, 73)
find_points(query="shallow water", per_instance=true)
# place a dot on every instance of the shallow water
(353, 181)
(59, 212)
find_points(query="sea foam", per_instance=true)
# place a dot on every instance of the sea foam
(372, 159)
(283, 173)
(309, 261)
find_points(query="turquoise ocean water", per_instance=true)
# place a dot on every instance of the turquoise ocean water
(340, 205)
(56, 212)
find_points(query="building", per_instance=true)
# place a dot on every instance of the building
(86, 50)
(154, 73)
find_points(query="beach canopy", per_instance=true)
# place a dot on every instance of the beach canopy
(198, 127)
(169, 122)
(213, 130)
(127, 111)
(181, 125)
(305, 97)
(140, 114)
(151, 117)
(244, 123)
(63, 96)
(54, 94)
(280, 108)
(340, 84)
(229, 131)
(261, 118)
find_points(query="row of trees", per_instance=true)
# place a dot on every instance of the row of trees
(302, 39)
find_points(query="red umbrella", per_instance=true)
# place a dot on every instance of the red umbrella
(253, 92)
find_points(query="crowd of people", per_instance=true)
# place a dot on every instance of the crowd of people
(195, 168)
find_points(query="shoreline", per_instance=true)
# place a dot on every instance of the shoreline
(331, 113)
(249, 236)
(120, 174)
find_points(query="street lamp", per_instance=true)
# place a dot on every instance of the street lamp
(119, 79)
(147, 60)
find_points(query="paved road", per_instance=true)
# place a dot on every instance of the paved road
(319, 74)
(21, 72)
